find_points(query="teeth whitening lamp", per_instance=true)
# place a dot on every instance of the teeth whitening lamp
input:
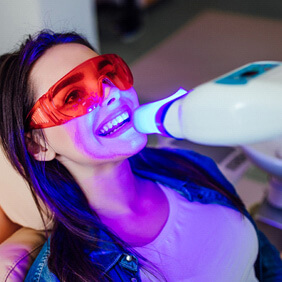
(240, 107)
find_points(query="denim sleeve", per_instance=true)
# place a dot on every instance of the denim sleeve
(269, 263)
(39, 271)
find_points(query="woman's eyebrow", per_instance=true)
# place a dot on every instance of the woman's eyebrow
(103, 63)
(72, 79)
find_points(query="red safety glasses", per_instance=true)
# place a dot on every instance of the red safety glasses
(79, 91)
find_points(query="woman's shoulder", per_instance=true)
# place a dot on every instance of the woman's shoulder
(39, 270)
(175, 155)
(189, 155)
(174, 167)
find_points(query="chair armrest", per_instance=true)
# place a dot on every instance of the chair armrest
(18, 252)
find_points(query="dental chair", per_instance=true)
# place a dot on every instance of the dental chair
(18, 252)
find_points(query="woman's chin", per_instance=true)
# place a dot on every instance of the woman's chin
(136, 144)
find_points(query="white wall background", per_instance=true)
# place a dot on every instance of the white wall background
(21, 17)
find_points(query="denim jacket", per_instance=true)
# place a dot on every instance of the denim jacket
(122, 266)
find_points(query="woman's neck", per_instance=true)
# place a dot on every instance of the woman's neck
(134, 208)
(111, 188)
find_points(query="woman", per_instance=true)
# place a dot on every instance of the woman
(66, 125)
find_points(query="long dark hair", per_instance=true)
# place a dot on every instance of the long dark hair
(76, 225)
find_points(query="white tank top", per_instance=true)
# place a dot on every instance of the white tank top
(202, 242)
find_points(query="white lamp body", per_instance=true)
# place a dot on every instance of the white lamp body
(241, 107)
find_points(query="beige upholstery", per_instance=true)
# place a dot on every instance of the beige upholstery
(16, 199)
(18, 252)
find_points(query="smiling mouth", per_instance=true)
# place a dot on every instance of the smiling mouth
(115, 124)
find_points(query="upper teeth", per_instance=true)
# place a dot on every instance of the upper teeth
(116, 121)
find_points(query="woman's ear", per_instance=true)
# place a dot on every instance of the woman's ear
(38, 148)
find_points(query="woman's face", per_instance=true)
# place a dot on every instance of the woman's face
(80, 140)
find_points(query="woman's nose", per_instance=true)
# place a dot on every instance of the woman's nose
(111, 94)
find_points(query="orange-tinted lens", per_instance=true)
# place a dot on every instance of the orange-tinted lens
(80, 91)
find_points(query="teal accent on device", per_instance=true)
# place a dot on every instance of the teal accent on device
(244, 75)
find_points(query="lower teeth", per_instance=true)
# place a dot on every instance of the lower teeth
(115, 129)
